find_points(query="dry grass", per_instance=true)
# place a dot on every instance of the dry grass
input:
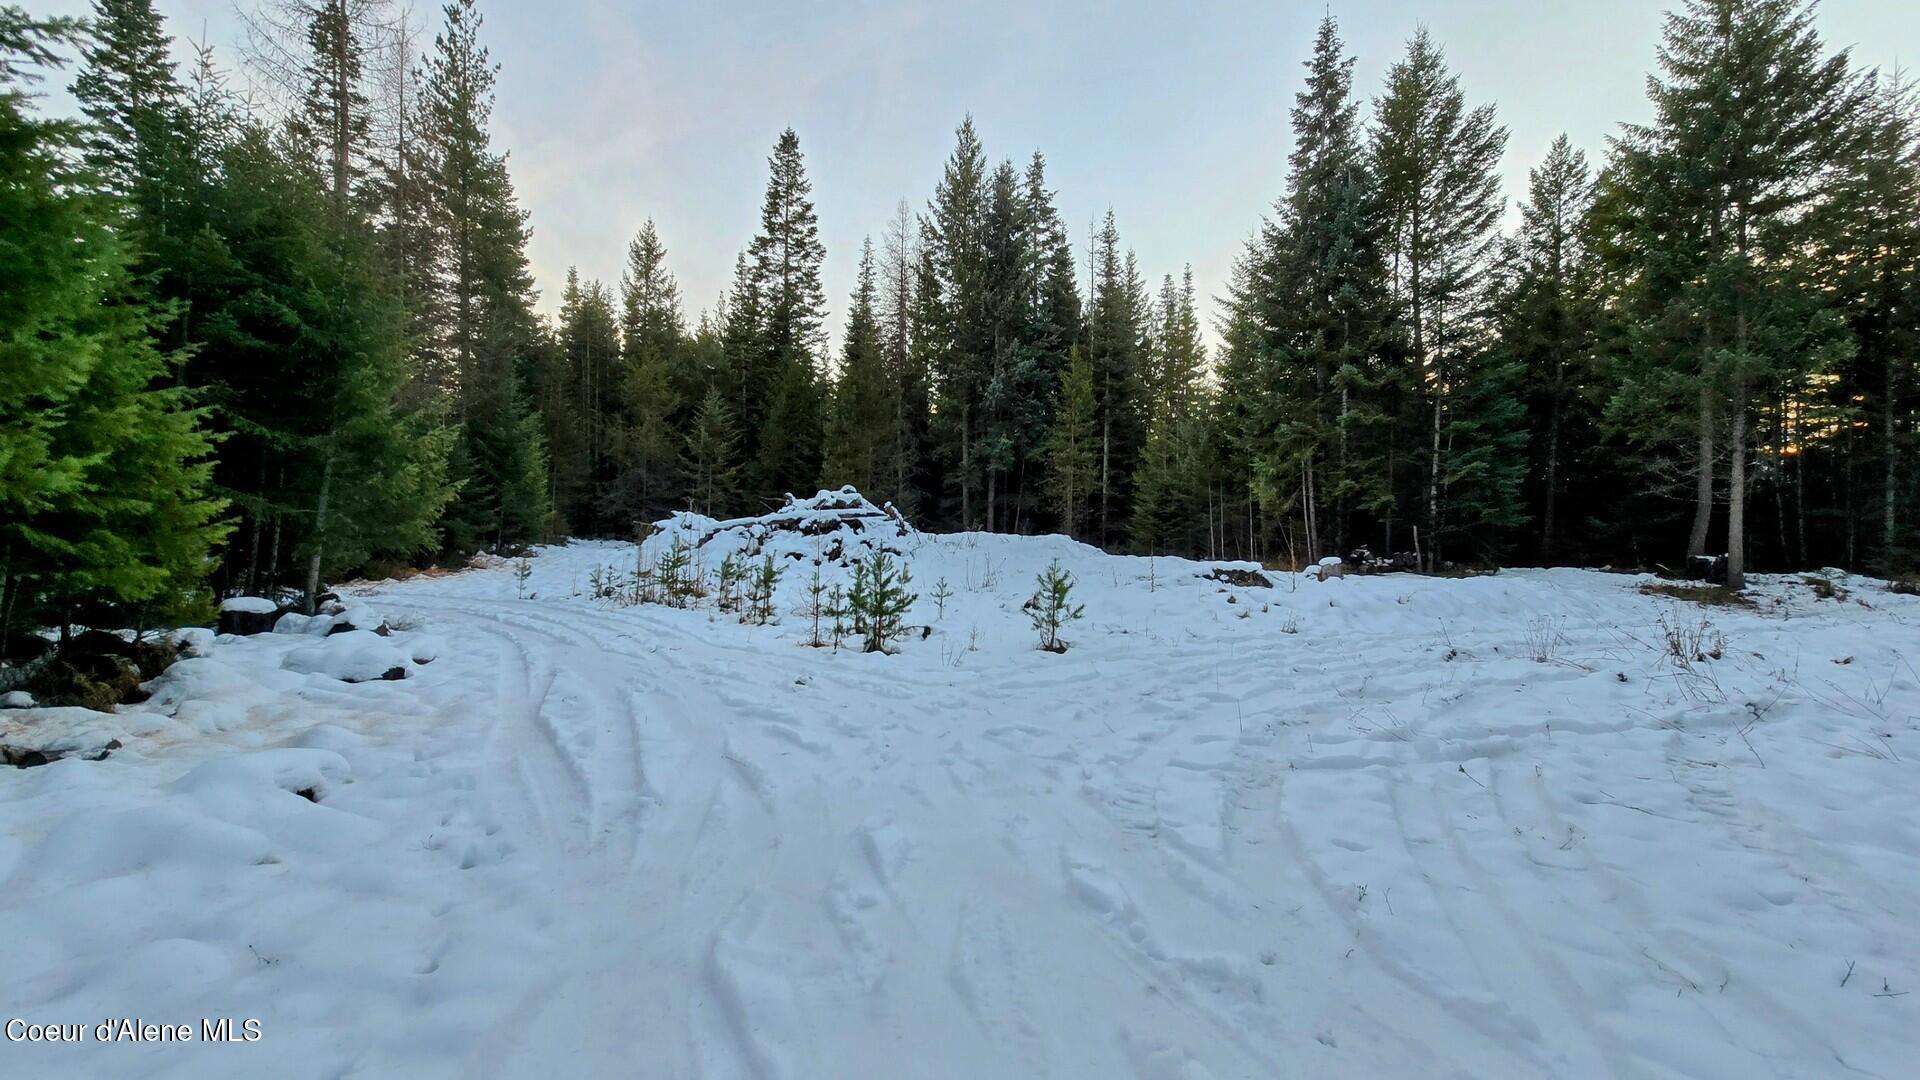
(1709, 595)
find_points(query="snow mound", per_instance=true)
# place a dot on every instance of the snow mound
(252, 605)
(832, 526)
(295, 622)
(297, 770)
(61, 731)
(355, 656)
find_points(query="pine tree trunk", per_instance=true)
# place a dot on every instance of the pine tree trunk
(273, 553)
(1800, 502)
(1890, 481)
(7, 591)
(1737, 491)
(1341, 477)
(1106, 456)
(966, 469)
(253, 546)
(1702, 478)
(1309, 497)
(319, 529)
(1553, 486)
(1780, 444)
(1433, 492)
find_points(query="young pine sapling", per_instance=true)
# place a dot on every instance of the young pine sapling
(815, 608)
(727, 581)
(1052, 606)
(760, 585)
(837, 612)
(880, 600)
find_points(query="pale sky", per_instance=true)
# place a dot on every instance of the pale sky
(1175, 115)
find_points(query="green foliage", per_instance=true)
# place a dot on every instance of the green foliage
(1051, 607)
(879, 600)
(839, 614)
(672, 574)
(728, 579)
(712, 457)
(863, 406)
(815, 609)
(1072, 445)
(499, 466)
(761, 582)
(653, 361)
(105, 512)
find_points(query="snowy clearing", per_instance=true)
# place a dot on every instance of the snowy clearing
(1524, 825)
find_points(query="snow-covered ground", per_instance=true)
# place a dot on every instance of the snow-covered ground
(1374, 826)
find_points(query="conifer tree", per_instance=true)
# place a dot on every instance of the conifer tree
(128, 90)
(1051, 607)
(586, 430)
(1549, 324)
(783, 402)
(863, 407)
(1871, 237)
(104, 507)
(712, 454)
(1169, 482)
(1117, 340)
(1072, 445)
(486, 331)
(1436, 161)
(660, 383)
(1713, 206)
(1315, 299)
(895, 310)
(954, 323)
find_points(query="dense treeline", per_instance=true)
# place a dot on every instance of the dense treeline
(261, 345)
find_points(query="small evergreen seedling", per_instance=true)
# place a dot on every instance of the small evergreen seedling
(522, 570)
(1052, 606)
(815, 608)
(880, 600)
(727, 582)
(760, 586)
(670, 574)
(837, 611)
(942, 592)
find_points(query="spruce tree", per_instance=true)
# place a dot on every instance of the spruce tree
(128, 90)
(1549, 324)
(863, 406)
(1073, 445)
(660, 384)
(105, 513)
(903, 454)
(1437, 162)
(486, 332)
(1315, 297)
(782, 402)
(302, 348)
(1712, 209)
(712, 455)
(589, 427)
(955, 324)
(1870, 232)
(1169, 488)
(1117, 350)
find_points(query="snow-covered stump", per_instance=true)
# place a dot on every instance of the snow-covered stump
(248, 615)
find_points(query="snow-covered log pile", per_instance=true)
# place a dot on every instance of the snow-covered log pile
(835, 527)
